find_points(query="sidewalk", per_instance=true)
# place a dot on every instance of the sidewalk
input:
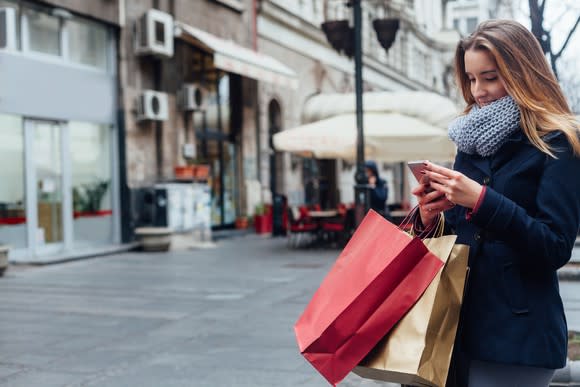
(217, 315)
(571, 271)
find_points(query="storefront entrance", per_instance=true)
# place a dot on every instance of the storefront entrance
(57, 197)
(46, 200)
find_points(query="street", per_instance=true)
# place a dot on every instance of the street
(203, 317)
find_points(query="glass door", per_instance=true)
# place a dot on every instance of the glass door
(47, 198)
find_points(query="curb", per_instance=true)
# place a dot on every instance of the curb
(567, 376)
(569, 274)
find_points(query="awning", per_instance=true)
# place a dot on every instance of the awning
(234, 58)
(429, 107)
(390, 137)
(398, 126)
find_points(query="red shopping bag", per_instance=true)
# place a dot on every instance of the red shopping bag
(377, 278)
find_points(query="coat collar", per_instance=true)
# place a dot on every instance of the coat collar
(488, 164)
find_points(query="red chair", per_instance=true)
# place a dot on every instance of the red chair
(335, 230)
(300, 225)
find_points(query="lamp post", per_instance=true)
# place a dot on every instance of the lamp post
(344, 38)
(361, 188)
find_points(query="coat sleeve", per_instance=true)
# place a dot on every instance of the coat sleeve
(544, 241)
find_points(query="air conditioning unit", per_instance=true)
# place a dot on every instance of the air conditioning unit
(154, 34)
(192, 97)
(7, 29)
(152, 105)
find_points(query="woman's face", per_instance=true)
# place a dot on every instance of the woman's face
(483, 75)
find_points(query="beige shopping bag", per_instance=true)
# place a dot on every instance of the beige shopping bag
(417, 351)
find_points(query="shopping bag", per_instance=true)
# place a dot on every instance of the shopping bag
(376, 279)
(418, 350)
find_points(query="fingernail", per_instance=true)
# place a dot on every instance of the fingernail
(423, 172)
(425, 164)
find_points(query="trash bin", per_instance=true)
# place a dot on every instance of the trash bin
(279, 214)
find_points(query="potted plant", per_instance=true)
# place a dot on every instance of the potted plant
(87, 198)
(242, 222)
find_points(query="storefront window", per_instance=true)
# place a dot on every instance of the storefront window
(91, 183)
(12, 199)
(43, 32)
(87, 43)
(216, 147)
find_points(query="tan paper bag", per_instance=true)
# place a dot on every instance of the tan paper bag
(417, 351)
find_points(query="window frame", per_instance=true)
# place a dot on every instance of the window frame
(64, 57)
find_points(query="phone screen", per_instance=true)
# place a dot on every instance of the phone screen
(416, 167)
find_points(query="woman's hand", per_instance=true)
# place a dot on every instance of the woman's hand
(455, 186)
(431, 202)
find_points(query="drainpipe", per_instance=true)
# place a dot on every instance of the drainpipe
(255, 25)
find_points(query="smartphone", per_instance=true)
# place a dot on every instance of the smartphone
(416, 167)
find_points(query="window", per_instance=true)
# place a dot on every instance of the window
(14, 5)
(471, 24)
(43, 32)
(87, 43)
(90, 157)
(456, 24)
(58, 33)
(12, 194)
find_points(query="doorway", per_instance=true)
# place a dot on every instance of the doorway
(48, 199)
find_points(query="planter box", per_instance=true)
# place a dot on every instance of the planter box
(154, 238)
(3, 258)
(242, 223)
(263, 224)
(184, 172)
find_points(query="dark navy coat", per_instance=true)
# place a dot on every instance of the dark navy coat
(521, 234)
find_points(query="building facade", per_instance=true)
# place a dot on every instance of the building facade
(58, 122)
(465, 15)
(104, 100)
(420, 59)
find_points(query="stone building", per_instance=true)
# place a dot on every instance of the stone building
(102, 99)
(420, 59)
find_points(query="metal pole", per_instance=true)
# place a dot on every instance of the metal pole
(361, 187)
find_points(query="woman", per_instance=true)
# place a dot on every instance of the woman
(514, 198)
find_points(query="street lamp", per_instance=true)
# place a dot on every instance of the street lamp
(348, 40)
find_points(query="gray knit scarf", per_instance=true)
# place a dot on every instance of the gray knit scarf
(485, 129)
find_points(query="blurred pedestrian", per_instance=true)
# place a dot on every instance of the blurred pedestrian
(514, 198)
(379, 190)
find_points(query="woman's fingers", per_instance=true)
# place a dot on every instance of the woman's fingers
(438, 205)
(417, 191)
(434, 176)
(448, 173)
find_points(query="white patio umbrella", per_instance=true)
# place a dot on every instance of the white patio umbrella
(388, 137)
(398, 126)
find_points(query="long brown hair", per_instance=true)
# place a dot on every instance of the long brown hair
(527, 77)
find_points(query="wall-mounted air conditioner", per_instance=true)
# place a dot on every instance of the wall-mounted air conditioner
(192, 97)
(7, 29)
(154, 34)
(152, 105)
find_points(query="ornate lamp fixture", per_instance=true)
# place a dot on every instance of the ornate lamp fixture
(386, 30)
